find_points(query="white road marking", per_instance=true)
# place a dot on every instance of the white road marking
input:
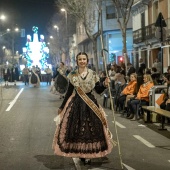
(157, 124)
(128, 167)
(142, 125)
(97, 169)
(13, 101)
(148, 144)
(120, 125)
(77, 163)
(168, 160)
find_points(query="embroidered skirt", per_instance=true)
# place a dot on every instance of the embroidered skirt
(80, 132)
(33, 79)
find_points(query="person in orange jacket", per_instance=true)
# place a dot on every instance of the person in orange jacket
(128, 90)
(142, 97)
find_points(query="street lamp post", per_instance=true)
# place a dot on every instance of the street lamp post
(3, 54)
(13, 42)
(56, 27)
(2, 18)
(63, 10)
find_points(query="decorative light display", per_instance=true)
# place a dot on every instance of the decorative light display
(112, 57)
(36, 52)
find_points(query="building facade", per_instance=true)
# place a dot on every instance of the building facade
(112, 36)
(151, 37)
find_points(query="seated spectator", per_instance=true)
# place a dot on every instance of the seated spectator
(158, 65)
(112, 72)
(155, 75)
(120, 77)
(128, 90)
(147, 71)
(166, 77)
(139, 78)
(142, 97)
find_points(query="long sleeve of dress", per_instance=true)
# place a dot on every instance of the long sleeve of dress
(68, 94)
(99, 87)
(56, 74)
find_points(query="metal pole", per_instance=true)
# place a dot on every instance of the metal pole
(162, 55)
(12, 47)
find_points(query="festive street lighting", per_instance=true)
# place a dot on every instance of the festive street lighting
(2, 17)
(16, 29)
(56, 27)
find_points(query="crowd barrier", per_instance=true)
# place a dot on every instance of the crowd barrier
(154, 93)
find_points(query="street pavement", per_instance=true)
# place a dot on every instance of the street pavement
(27, 127)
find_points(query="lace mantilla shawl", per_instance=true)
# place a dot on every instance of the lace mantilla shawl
(62, 71)
(86, 84)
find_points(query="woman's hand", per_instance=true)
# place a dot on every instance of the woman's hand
(165, 79)
(59, 111)
(121, 93)
(106, 82)
(168, 101)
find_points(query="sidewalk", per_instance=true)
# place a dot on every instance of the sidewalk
(19, 83)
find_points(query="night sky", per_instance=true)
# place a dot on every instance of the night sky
(27, 13)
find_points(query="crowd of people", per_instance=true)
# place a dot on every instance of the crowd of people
(32, 75)
(132, 87)
(10, 74)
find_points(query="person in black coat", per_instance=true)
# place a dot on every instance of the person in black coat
(14, 74)
(130, 70)
(6, 74)
(142, 66)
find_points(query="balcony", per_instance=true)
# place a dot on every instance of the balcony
(147, 33)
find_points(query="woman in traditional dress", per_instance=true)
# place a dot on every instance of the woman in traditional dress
(61, 81)
(34, 79)
(83, 130)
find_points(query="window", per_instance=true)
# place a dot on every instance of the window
(155, 10)
(110, 12)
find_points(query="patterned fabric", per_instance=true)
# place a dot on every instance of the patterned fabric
(61, 82)
(86, 84)
(83, 126)
(80, 132)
